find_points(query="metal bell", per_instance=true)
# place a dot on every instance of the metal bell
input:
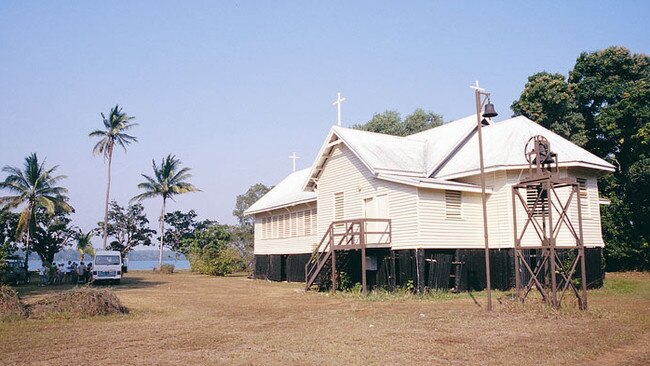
(489, 110)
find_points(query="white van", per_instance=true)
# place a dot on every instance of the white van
(107, 266)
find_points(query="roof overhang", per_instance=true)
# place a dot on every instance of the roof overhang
(433, 183)
(278, 207)
(495, 168)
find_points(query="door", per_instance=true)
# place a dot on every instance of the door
(376, 208)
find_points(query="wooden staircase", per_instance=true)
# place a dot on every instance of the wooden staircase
(343, 235)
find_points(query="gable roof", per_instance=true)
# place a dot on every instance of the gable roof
(503, 148)
(287, 193)
(416, 155)
(450, 151)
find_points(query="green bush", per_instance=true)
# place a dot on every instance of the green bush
(210, 253)
(216, 262)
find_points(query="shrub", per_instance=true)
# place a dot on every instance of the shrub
(11, 308)
(217, 263)
(78, 302)
(167, 269)
(210, 253)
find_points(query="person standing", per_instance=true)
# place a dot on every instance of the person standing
(81, 273)
(42, 273)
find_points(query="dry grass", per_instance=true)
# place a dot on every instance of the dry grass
(11, 308)
(196, 320)
(76, 303)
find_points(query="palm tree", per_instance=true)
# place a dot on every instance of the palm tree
(113, 133)
(84, 245)
(35, 187)
(169, 180)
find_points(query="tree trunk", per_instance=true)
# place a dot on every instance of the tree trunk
(27, 249)
(162, 234)
(108, 189)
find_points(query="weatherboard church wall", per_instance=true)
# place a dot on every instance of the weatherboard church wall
(270, 239)
(344, 172)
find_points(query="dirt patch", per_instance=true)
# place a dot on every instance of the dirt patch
(11, 308)
(78, 302)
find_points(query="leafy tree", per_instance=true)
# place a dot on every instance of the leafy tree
(34, 187)
(169, 180)
(181, 226)
(548, 100)
(127, 226)
(611, 91)
(243, 234)
(210, 253)
(53, 232)
(420, 120)
(8, 226)
(246, 200)
(84, 244)
(114, 132)
(390, 122)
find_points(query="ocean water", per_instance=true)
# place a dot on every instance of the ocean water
(133, 265)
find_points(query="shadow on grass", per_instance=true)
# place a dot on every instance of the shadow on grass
(129, 281)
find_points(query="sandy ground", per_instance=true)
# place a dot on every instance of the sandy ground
(192, 319)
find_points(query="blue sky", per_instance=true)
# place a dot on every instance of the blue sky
(232, 88)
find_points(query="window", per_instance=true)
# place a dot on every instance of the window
(314, 221)
(301, 223)
(338, 206)
(267, 228)
(453, 207)
(275, 228)
(281, 226)
(294, 224)
(542, 203)
(584, 196)
(287, 226)
(307, 222)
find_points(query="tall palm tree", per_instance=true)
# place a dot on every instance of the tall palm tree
(84, 245)
(113, 133)
(34, 187)
(168, 180)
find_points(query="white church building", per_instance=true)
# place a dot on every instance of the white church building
(422, 195)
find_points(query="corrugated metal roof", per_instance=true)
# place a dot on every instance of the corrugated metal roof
(382, 152)
(286, 193)
(503, 148)
(432, 157)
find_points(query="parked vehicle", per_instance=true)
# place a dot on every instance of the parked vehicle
(107, 266)
(14, 272)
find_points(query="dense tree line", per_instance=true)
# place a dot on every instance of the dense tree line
(604, 106)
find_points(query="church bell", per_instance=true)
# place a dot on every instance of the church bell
(489, 110)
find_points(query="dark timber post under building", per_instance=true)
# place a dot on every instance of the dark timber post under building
(542, 186)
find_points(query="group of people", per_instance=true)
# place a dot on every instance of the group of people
(61, 273)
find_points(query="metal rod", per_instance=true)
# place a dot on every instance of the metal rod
(488, 284)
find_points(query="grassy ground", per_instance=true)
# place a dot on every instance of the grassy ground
(192, 319)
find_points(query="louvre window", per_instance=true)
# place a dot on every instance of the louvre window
(542, 204)
(301, 223)
(294, 224)
(338, 206)
(287, 226)
(308, 222)
(584, 196)
(453, 207)
(314, 221)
